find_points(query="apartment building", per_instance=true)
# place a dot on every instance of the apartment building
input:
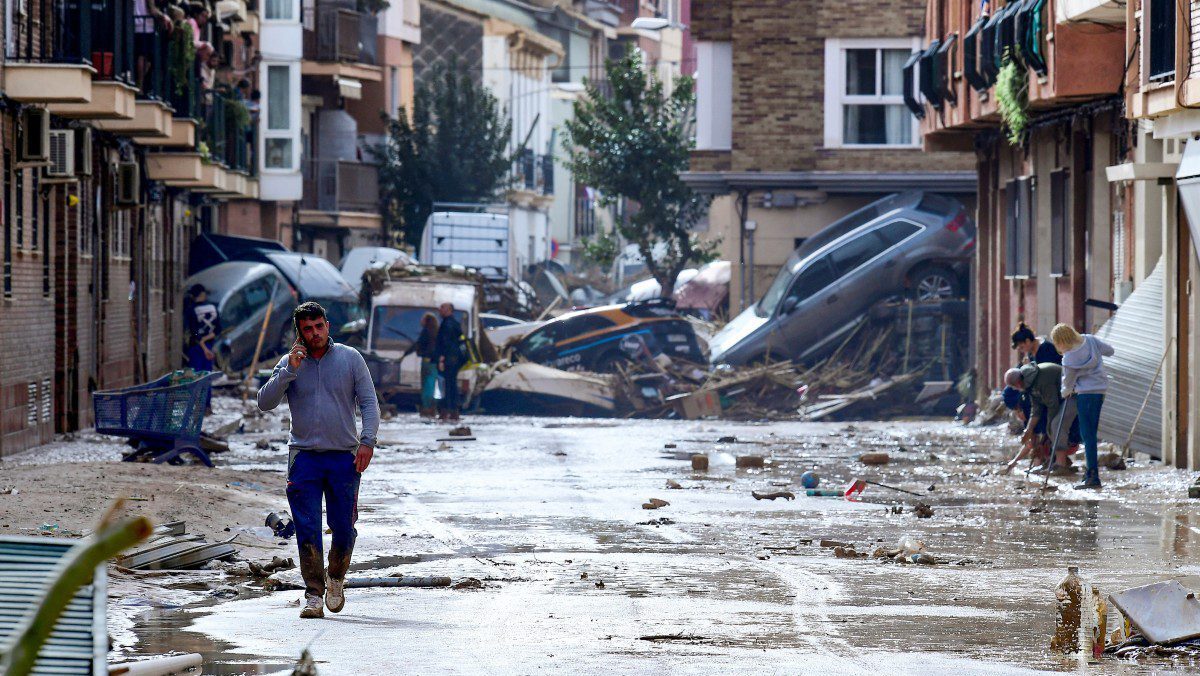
(116, 148)
(801, 119)
(1162, 94)
(356, 67)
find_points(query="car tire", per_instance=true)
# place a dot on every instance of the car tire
(934, 282)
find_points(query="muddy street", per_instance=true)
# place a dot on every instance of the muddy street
(576, 575)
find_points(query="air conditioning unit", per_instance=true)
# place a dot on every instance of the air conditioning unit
(83, 151)
(129, 184)
(62, 154)
(33, 144)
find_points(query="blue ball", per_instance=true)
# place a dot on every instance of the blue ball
(810, 480)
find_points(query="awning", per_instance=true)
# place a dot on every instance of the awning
(1136, 333)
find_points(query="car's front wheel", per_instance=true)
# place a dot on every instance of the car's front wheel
(934, 282)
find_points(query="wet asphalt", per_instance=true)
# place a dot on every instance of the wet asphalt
(578, 577)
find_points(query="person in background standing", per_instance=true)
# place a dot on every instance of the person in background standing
(1084, 378)
(448, 351)
(425, 346)
(1036, 350)
(203, 325)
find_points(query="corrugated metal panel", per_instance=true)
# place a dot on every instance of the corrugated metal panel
(1136, 333)
(79, 642)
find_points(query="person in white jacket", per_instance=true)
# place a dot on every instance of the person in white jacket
(1084, 378)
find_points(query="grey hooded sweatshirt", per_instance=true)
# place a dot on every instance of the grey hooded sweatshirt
(1083, 367)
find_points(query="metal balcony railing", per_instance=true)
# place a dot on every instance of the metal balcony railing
(336, 31)
(585, 217)
(184, 93)
(340, 185)
(533, 172)
(99, 34)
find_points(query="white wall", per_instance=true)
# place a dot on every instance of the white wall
(281, 44)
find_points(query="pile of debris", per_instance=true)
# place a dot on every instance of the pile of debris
(172, 548)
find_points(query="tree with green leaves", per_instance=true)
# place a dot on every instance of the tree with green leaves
(631, 139)
(452, 148)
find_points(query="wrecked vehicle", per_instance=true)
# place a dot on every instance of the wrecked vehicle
(397, 303)
(600, 339)
(525, 388)
(241, 291)
(915, 241)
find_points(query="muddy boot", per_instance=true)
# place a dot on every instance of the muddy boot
(312, 609)
(335, 596)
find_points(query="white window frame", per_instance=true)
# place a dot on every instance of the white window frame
(292, 133)
(835, 87)
(297, 14)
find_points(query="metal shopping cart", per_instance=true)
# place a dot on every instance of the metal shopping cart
(161, 418)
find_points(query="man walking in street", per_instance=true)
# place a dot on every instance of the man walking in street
(323, 381)
(448, 353)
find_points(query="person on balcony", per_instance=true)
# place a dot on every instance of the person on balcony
(198, 16)
(148, 19)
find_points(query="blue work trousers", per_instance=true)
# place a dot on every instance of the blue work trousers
(1089, 427)
(314, 475)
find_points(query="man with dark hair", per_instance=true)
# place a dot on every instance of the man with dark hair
(324, 382)
(447, 352)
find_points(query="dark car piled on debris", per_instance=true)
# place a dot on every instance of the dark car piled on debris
(599, 339)
(915, 242)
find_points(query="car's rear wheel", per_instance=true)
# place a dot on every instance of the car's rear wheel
(934, 282)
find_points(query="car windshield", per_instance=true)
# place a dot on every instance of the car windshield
(395, 327)
(339, 313)
(770, 300)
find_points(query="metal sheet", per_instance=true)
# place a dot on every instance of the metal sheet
(79, 642)
(1165, 612)
(1136, 333)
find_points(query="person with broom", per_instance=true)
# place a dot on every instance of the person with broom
(1085, 379)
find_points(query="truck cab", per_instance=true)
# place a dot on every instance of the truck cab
(394, 322)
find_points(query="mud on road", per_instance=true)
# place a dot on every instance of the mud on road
(578, 577)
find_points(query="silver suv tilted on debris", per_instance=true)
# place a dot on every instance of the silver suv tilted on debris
(912, 243)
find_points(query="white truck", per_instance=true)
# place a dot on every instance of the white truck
(473, 240)
(394, 323)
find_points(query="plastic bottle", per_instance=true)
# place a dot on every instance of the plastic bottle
(1068, 595)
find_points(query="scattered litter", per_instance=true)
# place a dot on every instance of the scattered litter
(468, 583)
(655, 503)
(599, 584)
(461, 431)
(11, 490)
(48, 528)
(664, 521)
(923, 511)
(686, 638)
(668, 446)
(748, 461)
(177, 552)
(830, 544)
(1113, 461)
(700, 462)
(281, 524)
(874, 458)
(262, 444)
(170, 664)
(250, 485)
(306, 666)
(727, 440)
(848, 553)
(823, 493)
(859, 485)
(225, 592)
(673, 484)
(787, 495)
(810, 480)
(267, 569)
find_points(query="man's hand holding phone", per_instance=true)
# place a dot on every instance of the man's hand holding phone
(297, 355)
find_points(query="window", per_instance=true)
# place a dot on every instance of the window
(897, 231)
(394, 93)
(47, 251)
(20, 199)
(865, 93)
(812, 280)
(1018, 201)
(281, 10)
(1162, 40)
(1060, 223)
(855, 253)
(577, 326)
(8, 201)
(35, 212)
(278, 145)
(714, 95)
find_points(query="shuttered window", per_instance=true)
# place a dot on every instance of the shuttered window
(1019, 227)
(1162, 39)
(1060, 223)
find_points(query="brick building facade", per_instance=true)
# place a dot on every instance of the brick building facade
(820, 132)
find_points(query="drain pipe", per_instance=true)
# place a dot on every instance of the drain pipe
(743, 202)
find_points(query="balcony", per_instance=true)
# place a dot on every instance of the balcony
(52, 60)
(340, 186)
(340, 41)
(532, 178)
(100, 36)
(1065, 64)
